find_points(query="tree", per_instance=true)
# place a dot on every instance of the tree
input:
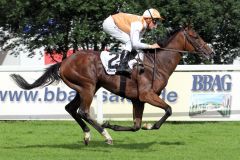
(216, 21)
(226, 39)
(60, 25)
(57, 25)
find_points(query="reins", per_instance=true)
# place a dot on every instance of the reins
(180, 51)
(154, 67)
(166, 49)
(186, 38)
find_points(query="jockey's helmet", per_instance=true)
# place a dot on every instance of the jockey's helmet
(152, 13)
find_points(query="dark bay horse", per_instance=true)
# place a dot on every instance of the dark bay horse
(84, 73)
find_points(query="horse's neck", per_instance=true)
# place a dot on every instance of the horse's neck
(168, 60)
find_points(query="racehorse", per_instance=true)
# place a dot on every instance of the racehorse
(84, 72)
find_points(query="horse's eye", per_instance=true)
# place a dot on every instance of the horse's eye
(195, 36)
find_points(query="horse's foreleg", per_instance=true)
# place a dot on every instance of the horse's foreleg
(153, 99)
(168, 112)
(138, 108)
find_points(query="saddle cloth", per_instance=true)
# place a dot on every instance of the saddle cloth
(111, 60)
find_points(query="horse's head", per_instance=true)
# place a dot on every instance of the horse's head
(195, 43)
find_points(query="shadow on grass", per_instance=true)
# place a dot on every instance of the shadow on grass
(171, 143)
(96, 145)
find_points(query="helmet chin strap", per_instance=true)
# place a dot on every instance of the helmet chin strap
(150, 14)
(153, 20)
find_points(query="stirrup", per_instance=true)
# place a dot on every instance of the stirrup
(141, 68)
(139, 65)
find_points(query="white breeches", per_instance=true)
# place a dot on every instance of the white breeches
(110, 27)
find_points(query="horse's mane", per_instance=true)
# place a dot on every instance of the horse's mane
(163, 41)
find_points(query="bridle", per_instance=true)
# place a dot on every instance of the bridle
(193, 42)
(188, 38)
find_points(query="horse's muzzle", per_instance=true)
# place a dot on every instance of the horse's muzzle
(211, 55)
(208, 55)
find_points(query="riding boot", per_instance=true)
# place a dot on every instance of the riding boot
(123, 68)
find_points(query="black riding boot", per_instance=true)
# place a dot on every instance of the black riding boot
(123, 67)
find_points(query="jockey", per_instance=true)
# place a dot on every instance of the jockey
(129, 29)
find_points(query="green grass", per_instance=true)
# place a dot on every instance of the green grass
(62, 140)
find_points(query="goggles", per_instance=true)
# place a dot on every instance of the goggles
(154, 20)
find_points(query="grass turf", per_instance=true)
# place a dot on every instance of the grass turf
(62, 140)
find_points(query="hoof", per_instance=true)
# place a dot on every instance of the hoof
(86, 138)
(147, 126)
(86, 141)
(109, 141)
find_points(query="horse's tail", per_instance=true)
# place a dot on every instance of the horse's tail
(50, 75)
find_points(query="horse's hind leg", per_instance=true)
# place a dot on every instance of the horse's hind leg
(138, 108)
(86, 100)
(71, 108)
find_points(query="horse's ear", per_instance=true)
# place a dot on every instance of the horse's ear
(189, 23)
(189, 26)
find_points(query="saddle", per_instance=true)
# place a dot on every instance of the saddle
(111, 60)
